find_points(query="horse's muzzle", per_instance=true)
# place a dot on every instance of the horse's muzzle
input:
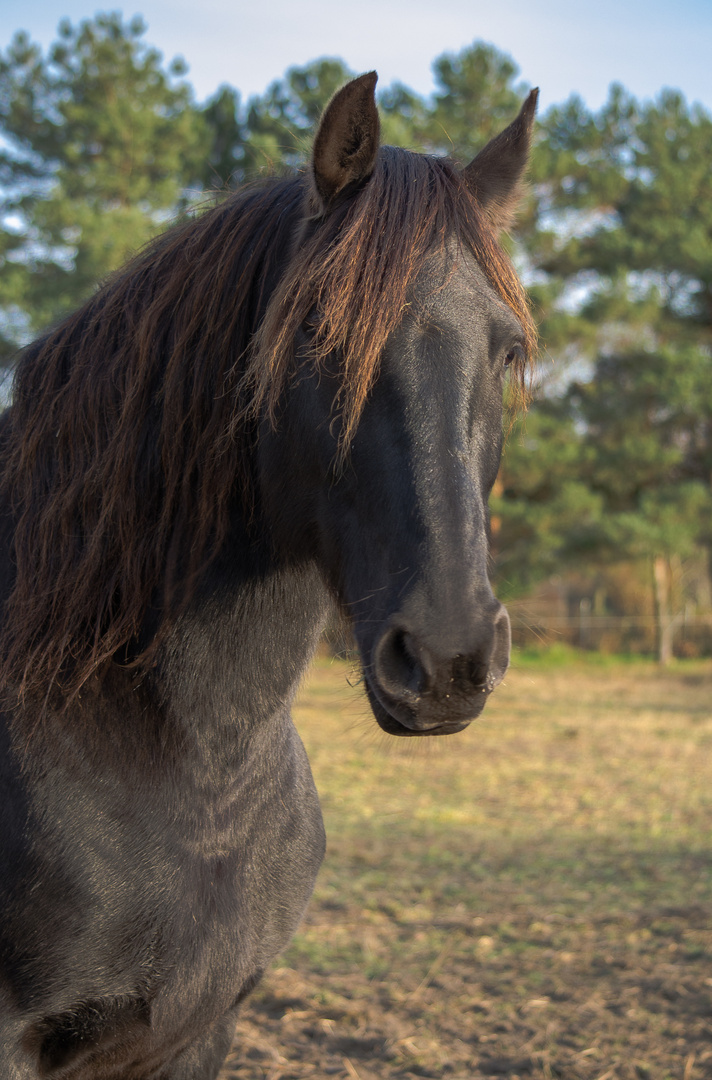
(415, 690)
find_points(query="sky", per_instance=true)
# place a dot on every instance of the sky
(562, 46)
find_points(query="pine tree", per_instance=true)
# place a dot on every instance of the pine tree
(272, 131)
(476, 97)
(102, 143)
(621, 239)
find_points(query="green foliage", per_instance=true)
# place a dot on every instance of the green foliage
(646, 450)
(404, 116)
(546, 514)
(476, 98)
(627, 195)
(272, 131)
(621, 243)
(101, 146)
(222, 113)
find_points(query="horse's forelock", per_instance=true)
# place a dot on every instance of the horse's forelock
(356, 271)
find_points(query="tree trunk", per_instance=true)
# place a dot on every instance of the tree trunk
(663, 613)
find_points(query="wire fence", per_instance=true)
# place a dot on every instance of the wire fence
(635, 634)
(692, 635)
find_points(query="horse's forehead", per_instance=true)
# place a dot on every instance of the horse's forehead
(453, 282)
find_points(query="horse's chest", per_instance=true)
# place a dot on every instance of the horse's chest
(237, 905)
(241, 887)
(176, 906)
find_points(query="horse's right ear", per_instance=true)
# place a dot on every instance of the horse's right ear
(346, 143)
(495, 175)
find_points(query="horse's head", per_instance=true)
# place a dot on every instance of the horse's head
(391, 479)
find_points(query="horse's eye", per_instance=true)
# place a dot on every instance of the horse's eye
(310, 324)
(515, 355)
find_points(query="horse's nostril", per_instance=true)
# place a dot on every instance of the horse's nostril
(399, 665)
(469, 671)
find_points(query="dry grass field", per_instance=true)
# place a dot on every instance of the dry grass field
(531, 898)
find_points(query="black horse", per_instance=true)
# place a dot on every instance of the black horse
(294, 398)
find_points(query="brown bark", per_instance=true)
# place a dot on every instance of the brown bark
(662, 575)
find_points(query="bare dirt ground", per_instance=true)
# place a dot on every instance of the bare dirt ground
(530, 899)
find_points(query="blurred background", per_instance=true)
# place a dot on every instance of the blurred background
(602, 513)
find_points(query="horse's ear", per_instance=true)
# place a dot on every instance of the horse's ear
(346, 143)
(495, 175)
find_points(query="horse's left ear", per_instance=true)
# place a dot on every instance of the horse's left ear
(495, 175)
(346, 143)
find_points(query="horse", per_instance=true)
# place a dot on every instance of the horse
(292, 400)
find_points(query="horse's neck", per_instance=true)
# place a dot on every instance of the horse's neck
(234, 661)
(226, 678)
(205, 731)
(218, 695)
(243, 651)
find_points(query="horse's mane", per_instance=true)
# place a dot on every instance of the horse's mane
(129, 436)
